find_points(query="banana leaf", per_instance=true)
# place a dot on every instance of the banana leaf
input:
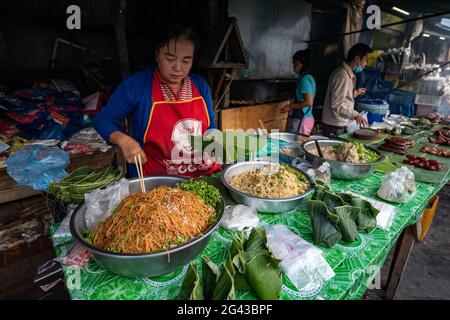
(210, 273)
(236, 246)
(257, 240)
(224, 289)
(229, 266)
(347, 198)
(319, 192)
(324, 224)
(332, 200)
(264, 276)
(191, 288)
(346, 223)
(231, 145)
(366, 220)
(240, 265)
(241, 283)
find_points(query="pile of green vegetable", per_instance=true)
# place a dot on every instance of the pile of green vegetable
(250, 267)
(339, 216)
(365, 155)
(72, 188)
(210, 194)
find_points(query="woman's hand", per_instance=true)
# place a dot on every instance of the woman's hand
(130, 147)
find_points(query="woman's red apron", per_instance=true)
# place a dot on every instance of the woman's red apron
(166, 141)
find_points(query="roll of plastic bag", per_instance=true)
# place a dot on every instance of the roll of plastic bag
(240, 217)
(101, 203)
(37, 166)
(302, 262)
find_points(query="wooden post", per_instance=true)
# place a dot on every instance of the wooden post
(399, 261)
(121, 38)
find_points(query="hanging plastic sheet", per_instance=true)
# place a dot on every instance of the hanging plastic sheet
(37, 166)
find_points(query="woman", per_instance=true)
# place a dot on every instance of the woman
(167, 105)
(301, 118)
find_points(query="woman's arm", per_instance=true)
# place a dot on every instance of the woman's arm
(307, 101)
(130, 147)
(108, 122)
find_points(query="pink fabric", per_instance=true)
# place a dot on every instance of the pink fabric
(306, 126)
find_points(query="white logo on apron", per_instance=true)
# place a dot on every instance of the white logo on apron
(181, 132)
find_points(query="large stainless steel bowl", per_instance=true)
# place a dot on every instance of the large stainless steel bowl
(292, 137)
(144, 265)
(265, 205)
(340, 170)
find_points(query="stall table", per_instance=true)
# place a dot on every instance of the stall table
(356, 264)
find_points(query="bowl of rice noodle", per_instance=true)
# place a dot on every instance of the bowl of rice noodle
(267, 186)
(153, 233)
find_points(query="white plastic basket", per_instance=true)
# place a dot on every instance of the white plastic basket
(427, 100)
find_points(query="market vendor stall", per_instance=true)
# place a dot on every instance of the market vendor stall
(355, 264)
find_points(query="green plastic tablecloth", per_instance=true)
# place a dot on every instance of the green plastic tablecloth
(355, 264)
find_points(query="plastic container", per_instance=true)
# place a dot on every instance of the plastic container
(375, 106)
(427, 218)
(373, 117)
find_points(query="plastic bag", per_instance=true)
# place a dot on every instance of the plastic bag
(37, 166)
(63, 235)
(409, 178)
(101, 203)
(240, 217)
(352, 126)
(397, 185)
(393, 190)
(323, 172)
(302, 262)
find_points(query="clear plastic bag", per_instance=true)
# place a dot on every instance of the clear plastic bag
(409, 178)
(101, 203)
(398, 186)
(302, 262)
(352, 125)
(323, 172)
(240, 217)
(37, 166)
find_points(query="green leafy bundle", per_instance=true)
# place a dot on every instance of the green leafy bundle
(250, 267)
(339, 216)
(72, 188)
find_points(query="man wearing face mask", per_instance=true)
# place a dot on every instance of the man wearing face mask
(339, 102)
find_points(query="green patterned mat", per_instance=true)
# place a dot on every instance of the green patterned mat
(354, 264)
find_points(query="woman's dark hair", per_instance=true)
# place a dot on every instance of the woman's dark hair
(175, 31)
(304, 57)
(360, 50)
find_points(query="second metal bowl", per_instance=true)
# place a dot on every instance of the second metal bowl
(264, 205)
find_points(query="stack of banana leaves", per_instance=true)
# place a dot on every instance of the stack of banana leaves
(250, 267)
(72, 188)
(339, 216)
(231, 144)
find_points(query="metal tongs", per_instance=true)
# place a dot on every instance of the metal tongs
(318, 148)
